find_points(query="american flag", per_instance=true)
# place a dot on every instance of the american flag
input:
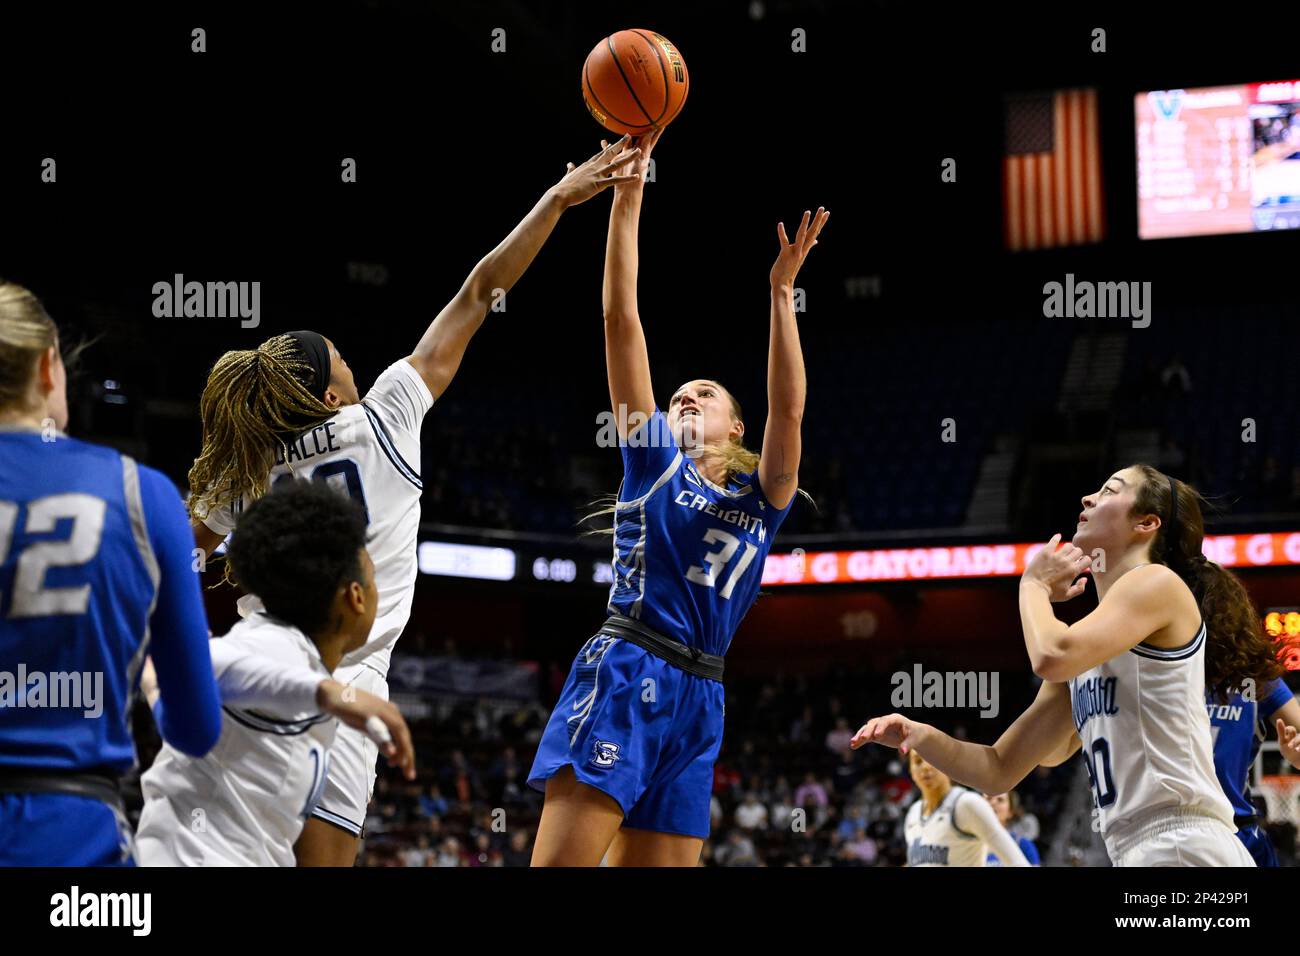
(1051, 173)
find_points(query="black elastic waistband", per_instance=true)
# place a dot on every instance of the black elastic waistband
(689, 659)
(1245, 822)
(95, 784)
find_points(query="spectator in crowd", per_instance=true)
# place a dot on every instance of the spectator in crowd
(782, 803)
(738, 850)
(859, 849)
(419, 855)
(801, 728)
(810, 793)
(837, 739)
(433, 803)
(855, 818)
(449, 853)
(518, 851)
(751, 814)
(1010, 814)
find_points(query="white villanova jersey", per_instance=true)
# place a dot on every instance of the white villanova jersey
(245, 802)
(1145, 732)
(371, 451)
(937, 840)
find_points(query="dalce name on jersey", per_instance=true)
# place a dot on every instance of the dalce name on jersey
(318, 441)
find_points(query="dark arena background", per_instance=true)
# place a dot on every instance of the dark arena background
(952, 421)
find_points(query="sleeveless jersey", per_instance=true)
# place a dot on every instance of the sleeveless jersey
(688, 554)
(1146, 737)
(368, 450)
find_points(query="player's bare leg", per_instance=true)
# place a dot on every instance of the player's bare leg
(578, 823)
(646, 848)
(323, 844)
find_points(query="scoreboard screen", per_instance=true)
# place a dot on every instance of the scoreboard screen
(1283, 625)
(1218, 159)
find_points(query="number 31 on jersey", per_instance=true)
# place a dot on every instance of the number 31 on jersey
(715, 562)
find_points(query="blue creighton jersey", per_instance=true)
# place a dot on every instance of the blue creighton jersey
(96, 555)
(688, 554)
(1238, 727)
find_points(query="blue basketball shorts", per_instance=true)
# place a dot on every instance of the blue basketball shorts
(59, 829)
(1258, 845)
(639, 729)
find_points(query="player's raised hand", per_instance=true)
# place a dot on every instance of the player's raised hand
(892, 730)
(1055, 568)
(373, 716)
(614, 164)
(643, 145)
(790, 259)
(1288, 741)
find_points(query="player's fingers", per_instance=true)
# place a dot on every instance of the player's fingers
(815, 227)
(822, 215)
(780, 234)
(621, 160)
(802, 233)
(406, 746)
(569, 168)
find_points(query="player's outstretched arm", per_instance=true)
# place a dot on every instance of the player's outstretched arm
(631, 395)
(1036, 734)
(374, 716)
(438, 354)
(787, 384)
(1138, 605)
(974, 815)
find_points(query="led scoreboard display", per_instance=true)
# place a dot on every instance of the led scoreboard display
(1283, 625)
(1218, 159)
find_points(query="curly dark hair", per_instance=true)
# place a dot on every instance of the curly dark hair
(295, 547)
(1236, 649)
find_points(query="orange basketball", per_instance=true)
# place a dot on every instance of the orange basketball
(634, 81)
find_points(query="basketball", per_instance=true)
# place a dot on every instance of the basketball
(634, 81)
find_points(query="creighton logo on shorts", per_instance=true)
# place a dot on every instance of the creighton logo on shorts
(604, 754)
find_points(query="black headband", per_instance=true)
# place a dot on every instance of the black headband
(317, 356)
